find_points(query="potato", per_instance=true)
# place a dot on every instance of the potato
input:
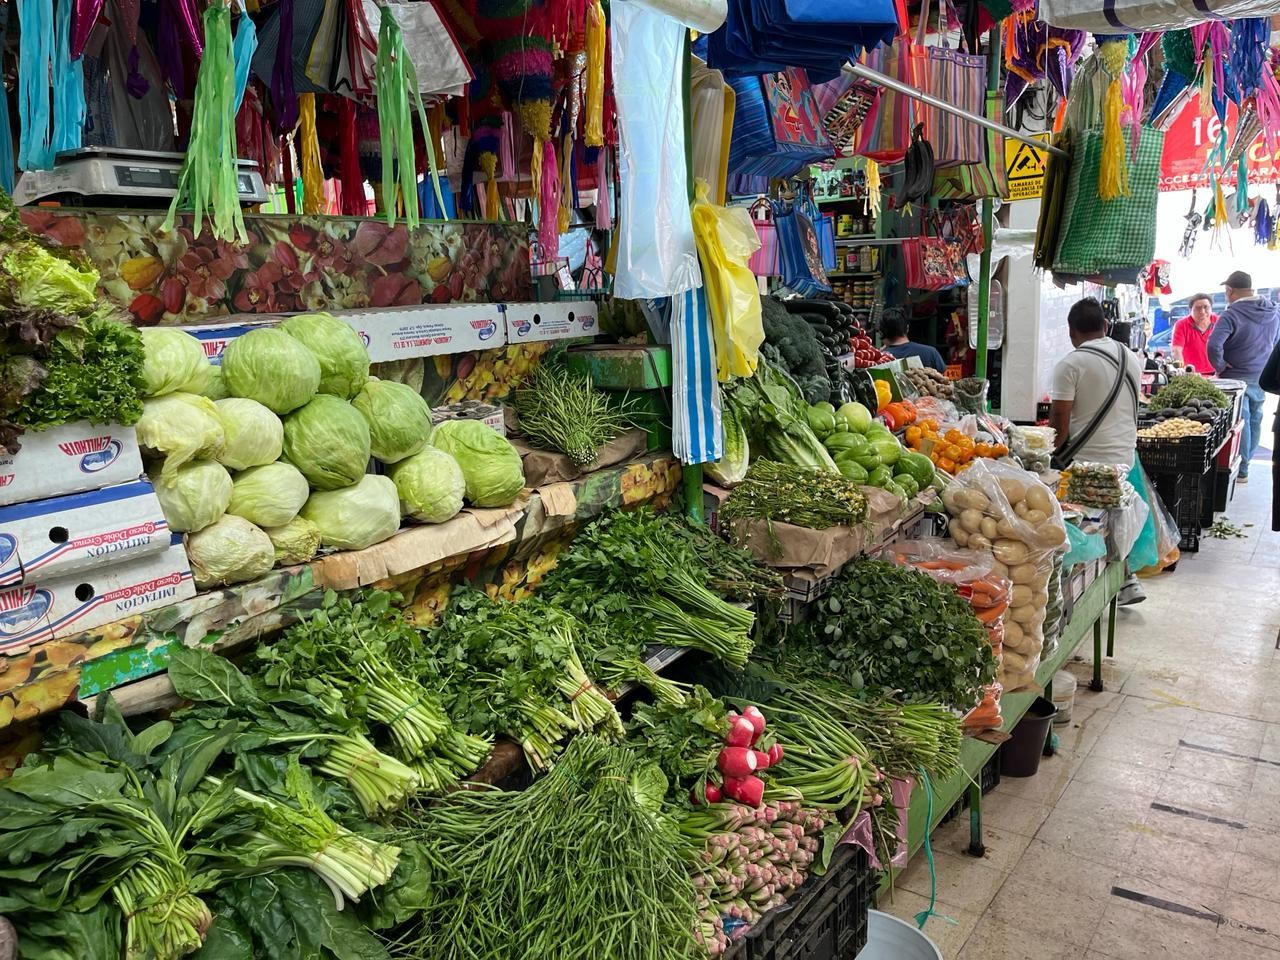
(1007, 529)
(973, 500)
(971, 520)
(978, 542)
(1013, 489)
(1023, 645)
(1021, 508)
(958, 533)
(1011, 551)
(1021, 595)
(1023, 573)
(988, 528)
(1000, 570)
(1034, 517)
(1051, 533)
(1039, 498)
(1014, 662)
(1013, 632)
(949, 496)
(1025, 615)
(1040, 598)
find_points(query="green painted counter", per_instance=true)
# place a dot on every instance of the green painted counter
(1097, 600)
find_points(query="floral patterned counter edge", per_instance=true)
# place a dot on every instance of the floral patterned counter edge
(52, 675)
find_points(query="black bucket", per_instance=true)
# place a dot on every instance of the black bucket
(1020, 754)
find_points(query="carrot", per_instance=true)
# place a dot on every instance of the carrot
(991, 614)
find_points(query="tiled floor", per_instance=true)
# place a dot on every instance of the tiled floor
(1155, 830)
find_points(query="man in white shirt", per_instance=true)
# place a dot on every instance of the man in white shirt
(1094, 408)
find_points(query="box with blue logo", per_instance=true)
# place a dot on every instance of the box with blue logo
(64, 606)
(561, 320)
(400, 333)
(214, 337)
(68, 459)
(49, 539)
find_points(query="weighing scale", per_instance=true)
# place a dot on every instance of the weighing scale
(111, 177)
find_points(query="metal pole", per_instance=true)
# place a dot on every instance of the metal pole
(988, 215)
(866, 73)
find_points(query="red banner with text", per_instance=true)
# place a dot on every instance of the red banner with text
(1186, 148)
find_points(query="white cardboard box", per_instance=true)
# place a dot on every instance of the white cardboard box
(214, 337)
(399, 333)
(68, 459)
(533, 322)
(54, 538)
(36, 612)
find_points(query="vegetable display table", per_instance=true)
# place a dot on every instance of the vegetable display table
(1098, 599)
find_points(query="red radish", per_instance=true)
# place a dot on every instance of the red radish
(713, 793)
(753, 714)
(742, 733)
(751, 791)
(737, 762)
(762, 759)
(775, 754)
(731, 787)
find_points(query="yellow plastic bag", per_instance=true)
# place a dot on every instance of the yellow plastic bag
(726, 238)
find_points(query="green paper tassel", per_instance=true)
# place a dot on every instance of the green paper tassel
(207, 183)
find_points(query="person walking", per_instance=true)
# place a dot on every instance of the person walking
(893, 330)
(1239, 347)
(1191, 335)
(1094, 404)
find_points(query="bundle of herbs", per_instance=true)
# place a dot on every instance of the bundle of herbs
(359, 652)
(683, 738)
(795, 495)
(121, 845)
(514, 668)
(639, 569)
(582, 865)
(897, 631)
(562, 411)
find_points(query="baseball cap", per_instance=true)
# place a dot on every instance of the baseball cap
(1239, 280)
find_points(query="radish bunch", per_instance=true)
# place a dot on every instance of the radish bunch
(752, 860)
(740, 761)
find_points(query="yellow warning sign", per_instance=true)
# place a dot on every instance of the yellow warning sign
(1024, 168)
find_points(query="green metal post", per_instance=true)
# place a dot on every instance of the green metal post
(692, 472)
(976, 846)
(988, 217)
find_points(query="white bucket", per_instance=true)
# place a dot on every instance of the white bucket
(889, 938)
(1064, 695)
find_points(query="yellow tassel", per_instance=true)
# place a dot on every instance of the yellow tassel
(1206, 86)
(535, 168)
(1219, 206)
(873, 187)
(492, 204)
(309, 155)
(564, 215)
(1113, 169)
(594, 123)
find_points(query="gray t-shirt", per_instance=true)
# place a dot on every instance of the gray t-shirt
(1086, 380)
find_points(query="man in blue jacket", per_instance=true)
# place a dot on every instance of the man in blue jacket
(1238, 349)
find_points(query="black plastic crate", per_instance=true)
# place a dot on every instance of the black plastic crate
(1190, 542)
(1186, 455)
(825, 920)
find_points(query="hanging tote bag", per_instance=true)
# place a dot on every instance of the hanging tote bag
(958, 78)
(854, 107)
(777, 130)
(764, 262)
(1107, 235)
(799, 255)
(976, 181)
(826, 224)
(885, 136)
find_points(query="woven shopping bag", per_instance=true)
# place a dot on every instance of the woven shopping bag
(974, 181)
(764, 262)
(777, 130)
(1097, 235)
(958, 78)
(885, 134)
(799, 252)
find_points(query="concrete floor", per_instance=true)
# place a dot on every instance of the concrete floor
(1155, 831)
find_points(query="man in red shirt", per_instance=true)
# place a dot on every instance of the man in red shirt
(1191, 336)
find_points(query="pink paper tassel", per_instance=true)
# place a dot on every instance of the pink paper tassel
(549, 203)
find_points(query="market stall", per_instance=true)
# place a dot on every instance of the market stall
(483, 509)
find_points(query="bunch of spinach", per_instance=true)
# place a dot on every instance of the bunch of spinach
(897, 631)
(682, 738)
(124, 845)
(358, 650)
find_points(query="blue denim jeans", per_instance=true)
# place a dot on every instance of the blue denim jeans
(1251, 413)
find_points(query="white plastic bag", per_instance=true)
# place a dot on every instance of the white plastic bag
(1137, 16)
(656, 254)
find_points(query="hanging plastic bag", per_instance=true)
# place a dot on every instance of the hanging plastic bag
(1156, 546)
(726, 240)
(656, 255)
(1083, 547)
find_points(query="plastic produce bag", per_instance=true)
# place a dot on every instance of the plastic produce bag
(1082, 547)
(1033, 446)
(1001, 508)
(656, 252)
(726, 239)
(1126, 523)
(1157, 544)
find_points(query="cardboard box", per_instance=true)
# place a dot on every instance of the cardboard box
(54, 538)
(400, 333)
(214, 337)
(68, 459)
(36, 612)
(560, 320)
(491, 415)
